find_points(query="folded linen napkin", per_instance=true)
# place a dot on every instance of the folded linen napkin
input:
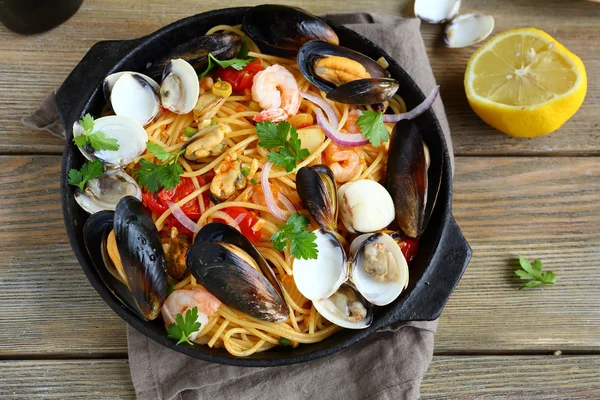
(388, 365)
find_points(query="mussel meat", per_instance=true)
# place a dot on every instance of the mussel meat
(411, 181)
(130, 135)
(365, 205)
(135, 271)
(180, 87)
(317, 189)
(227, 265)
(132, 95)
(105, 192)
(228, 178)
(222, 46)
(210, 141)
(346, 75)
(282, 30)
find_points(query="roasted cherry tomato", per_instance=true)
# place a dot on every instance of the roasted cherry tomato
(246, 224)
(409, 247)
(242, 79)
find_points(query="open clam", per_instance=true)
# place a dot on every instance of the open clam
(130, 135)
(282, 30)
(132, 95)
(227, 265)
(346, 75)
(346, 308)
(180, 87)
(105, 192)
(125, 248)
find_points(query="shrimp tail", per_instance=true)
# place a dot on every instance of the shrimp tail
(273, 115)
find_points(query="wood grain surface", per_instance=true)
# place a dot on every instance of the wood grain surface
(32, 66)
(545, 208)
(492, 377)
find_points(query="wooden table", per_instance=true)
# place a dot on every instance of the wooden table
(538, 197)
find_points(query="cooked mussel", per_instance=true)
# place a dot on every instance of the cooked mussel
(228, 178)
(411, 181)
(282, 30)
(222, 46)
(125, 248)
(346, 75)
(132, 95)
(317, 189)
(210, 141)
(105, 192)
(227, 265)
(180, 87)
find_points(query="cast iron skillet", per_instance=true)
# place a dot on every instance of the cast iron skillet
(443, 254)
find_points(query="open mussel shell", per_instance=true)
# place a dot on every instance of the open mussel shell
(379, 269)
(140, 250)
(317, 189)
(312, 52)
(130, 135)
(180, 87)
(233, 270)
(222, 46)
(105, 192)
(282, 30)
(412, 185)
(346, 308)
(364, 91)
(132, 95)
(319, 278)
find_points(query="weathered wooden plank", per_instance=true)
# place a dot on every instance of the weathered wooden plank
(32, 66)
(508, 377)
(547, 208)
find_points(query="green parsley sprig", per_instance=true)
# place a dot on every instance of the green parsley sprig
(97, 140)
(285, 137)
(371, 125)
(184, 327)
(155, 177)
(532, 272)
(301, 241)
(89, 170)
(237, 63)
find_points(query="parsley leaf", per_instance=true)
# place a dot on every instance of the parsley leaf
(244, 50)
(371, 125)
(89, 170)
(301, 241)
(184, 327)
(245, 171)
(532, 272)
(156, 176)
(290, 150)
(235, 63)
(284, 341)
(98, 140)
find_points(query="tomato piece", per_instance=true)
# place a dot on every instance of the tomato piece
(185, 187)
(153, 203)
(409, 247)
(242, 79)
(246, 224)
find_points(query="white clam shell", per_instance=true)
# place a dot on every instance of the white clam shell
(468, 29)
(319, 278)
(180, 87)
(130, 135)
(436, 11)
(104, 192)
(328, 310)
(133, 96)
(365, 206)
(110, 80)
(377, 292)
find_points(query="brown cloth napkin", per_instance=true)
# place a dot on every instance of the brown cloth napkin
(387, 365)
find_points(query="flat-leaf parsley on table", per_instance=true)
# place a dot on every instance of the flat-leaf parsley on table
(532, 272)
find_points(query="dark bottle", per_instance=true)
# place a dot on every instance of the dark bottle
(35, 16)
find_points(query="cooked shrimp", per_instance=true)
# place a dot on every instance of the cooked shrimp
(182, 300)
(350, 125)
(343, 161)
(276, 91)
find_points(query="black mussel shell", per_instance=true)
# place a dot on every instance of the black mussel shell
(364, 91)
(412, 187)
(317, 189)
(222, 45)
(142, 255)
(222, 267)
(282, 30)
(311, 52)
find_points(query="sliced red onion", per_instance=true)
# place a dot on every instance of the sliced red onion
(331, 115)
(286, 202)
(234, 223)
(184, 219)
(271, 202)
(340, 138)
(415, 112)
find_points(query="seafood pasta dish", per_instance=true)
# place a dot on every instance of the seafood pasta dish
(260, 186)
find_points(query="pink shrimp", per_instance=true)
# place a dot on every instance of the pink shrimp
(350, 125)
(182, 300)
(276, 91)
(343, 161)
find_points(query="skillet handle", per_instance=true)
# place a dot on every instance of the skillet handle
(73, 95)
(433, 289)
